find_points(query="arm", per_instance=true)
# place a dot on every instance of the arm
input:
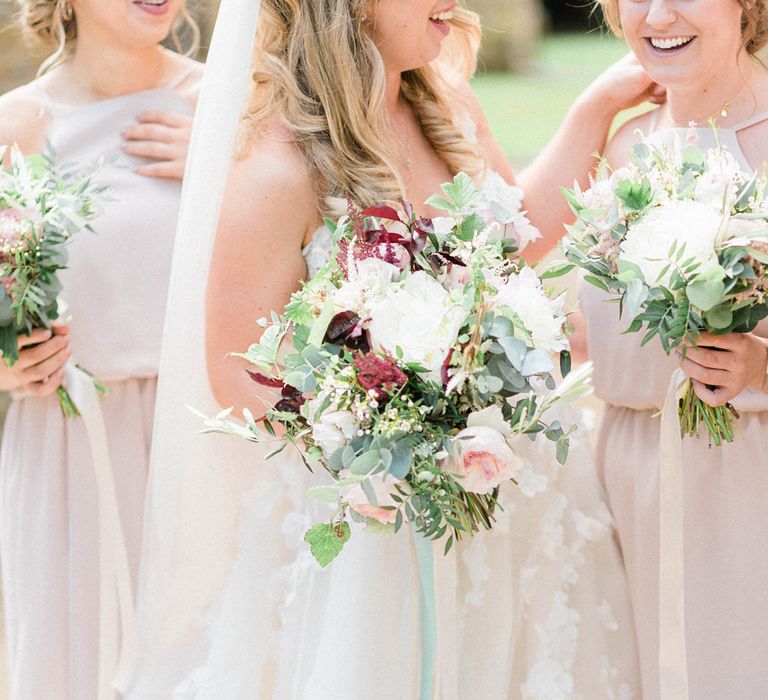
(269, 210)
(569, 155)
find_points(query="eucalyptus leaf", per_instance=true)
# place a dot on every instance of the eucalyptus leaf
(324, 494)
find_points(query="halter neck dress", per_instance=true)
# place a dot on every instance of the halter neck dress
(115, 287)
(725, 503)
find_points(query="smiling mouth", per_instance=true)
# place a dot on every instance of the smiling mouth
(670, 43)
(442, 17)
(150, 3)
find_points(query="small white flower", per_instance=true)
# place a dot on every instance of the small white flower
(334, 430)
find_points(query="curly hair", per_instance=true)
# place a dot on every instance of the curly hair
(754, 21)
(49, 22)
(307, 49)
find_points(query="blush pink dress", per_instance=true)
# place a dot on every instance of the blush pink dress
(115, 286)
(725, 503)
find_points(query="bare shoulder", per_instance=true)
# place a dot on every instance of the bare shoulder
(619, 150)
(270, 182)
(24, 118)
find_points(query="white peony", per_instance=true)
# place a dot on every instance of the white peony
(421, 319)
(687, 222)
(334, 430)
(367, 281)
(543, 317)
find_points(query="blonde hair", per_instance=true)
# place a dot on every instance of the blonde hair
(49, 22)
(754, 22)
(318, 69)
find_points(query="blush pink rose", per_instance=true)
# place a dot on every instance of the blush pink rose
(483, 460)
(383, 486)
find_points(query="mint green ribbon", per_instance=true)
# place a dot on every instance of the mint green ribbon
(428, 614)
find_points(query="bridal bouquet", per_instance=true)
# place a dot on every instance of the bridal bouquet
(680, 237)
(42, 206)
(416, 359)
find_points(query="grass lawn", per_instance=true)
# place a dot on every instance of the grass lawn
(525, 110)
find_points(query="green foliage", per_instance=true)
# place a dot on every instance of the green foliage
(326, 541)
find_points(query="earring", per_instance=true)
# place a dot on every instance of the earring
(65, 10)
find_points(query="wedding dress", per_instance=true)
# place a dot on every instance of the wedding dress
(234, 607)
(536, 608)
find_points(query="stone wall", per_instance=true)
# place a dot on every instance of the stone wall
(511, 30)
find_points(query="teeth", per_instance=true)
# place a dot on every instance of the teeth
(442, 16)
(671, 42)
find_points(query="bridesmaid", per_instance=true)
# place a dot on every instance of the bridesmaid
(109, 87)
(703, 52)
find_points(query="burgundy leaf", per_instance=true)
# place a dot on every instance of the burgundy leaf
(341, 326)
(383, 212)
(264, 380)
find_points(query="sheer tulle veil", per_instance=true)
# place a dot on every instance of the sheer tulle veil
(196, 482)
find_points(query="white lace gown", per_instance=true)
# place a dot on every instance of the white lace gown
(536, 608)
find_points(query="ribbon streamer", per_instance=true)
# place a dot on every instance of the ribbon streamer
(428, 614)
(118, 636)
(673, 656)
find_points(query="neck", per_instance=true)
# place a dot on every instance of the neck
(392, 100)
(722, 92)
(99, 70)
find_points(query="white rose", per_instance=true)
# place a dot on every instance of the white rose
(482, 459)
(687, 222)
(334, 430)
(491, 417)
(543, 317)
(383, 487)
(421, 319)
(716, 185)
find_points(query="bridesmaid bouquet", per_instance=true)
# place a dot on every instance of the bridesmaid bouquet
(680, 237)
(417, 358)
(42, 206)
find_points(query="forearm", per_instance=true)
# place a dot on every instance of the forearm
(569, 157)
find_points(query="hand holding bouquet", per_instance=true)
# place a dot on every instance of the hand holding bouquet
(680, 237)
(419, 356)
(42, 206)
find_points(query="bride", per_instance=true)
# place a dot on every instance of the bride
(367, 100)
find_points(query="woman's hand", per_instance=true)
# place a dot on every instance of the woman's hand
(162, 137)
(39, 371)
(623, 85)
(722, 366)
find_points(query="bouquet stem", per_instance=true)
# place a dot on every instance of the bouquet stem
(68, 406)
(720, 421)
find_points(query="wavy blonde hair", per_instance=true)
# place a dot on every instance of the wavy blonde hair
(318, 69)
(47, 21)
(754, 22)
